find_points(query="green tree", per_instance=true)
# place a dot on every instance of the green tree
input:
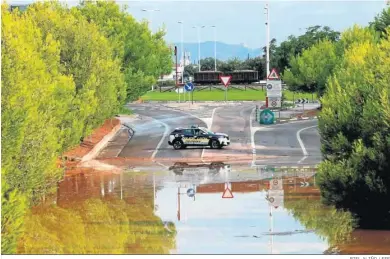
(381, 21)
(144, 56)
(355, 132)
(190, 70)
(310, 70)
(293, 46)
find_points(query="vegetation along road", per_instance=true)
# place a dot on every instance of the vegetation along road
(68, 70)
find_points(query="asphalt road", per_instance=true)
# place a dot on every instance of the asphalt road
(164, 120)
(294, 143)
(234, 121)
(282, 141)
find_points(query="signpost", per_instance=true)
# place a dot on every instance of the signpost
(267, 117)
(190, 192)
(274, 90)
(225, 80)
(227, 193)
(189, 87)
(275, 193)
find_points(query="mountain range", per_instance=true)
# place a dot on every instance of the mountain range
(224, 51)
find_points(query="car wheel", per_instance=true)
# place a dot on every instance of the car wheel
(177, 144)
(214, 144)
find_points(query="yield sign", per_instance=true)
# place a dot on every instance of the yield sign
(225, 80)
(273, 74)
(227, 193)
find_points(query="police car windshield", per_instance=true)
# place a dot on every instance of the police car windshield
(206, 130)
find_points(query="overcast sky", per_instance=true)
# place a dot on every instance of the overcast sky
(243, 22)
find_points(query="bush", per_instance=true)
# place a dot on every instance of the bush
(355, 132)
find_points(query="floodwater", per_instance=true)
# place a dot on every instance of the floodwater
(194, 209)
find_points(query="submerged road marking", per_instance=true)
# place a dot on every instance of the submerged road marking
(166, 132)
(305, 154)
(211, 124)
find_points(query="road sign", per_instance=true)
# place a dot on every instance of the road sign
(275, 198)
(227, 193)
(274, 85)
(305, 184)
(267, 117)
(179, 90)
(190, 192)
(273, 75)
(276, 184)
(225, 80)
(274, 102)
(189, 87)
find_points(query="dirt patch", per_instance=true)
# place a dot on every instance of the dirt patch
(90, 141)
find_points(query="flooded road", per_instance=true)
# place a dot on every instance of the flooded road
(197, 208)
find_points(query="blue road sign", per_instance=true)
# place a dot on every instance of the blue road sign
(189, 87)
(266, 117)
(191, 192)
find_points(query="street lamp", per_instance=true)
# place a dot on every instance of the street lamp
(197, 28)
(182, 52)
(150, 11)
(267, 25)
(215, 48)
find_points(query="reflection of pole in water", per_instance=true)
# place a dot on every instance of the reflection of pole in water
(102, 184)
(271, 229)
(154, 193)
(178, 203)
(121, 179)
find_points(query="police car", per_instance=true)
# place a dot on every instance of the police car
(197, 136)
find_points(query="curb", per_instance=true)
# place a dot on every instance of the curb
(101, 144)
(106, 139)
(297, 119)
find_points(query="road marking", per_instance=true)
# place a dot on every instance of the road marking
(211, 124)
(305, 154)
(166, 132)
(252, 135)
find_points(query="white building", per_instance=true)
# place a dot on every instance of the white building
(180, 69)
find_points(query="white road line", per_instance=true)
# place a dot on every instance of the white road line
(166, 132)
(305, 154)
(252, 135)
(211, 124)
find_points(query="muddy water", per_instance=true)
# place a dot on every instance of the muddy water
(181, 210)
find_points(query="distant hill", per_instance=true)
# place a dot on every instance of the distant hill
(224, 51)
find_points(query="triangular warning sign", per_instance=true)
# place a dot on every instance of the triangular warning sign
(227, 193)
(273, 74)
(225, 80)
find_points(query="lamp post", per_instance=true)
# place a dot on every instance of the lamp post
(215, 47)
(150, 11)
(267, 31)
(182, 52)
(197, 28)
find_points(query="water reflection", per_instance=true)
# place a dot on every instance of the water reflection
(99, 214)
(192, 208)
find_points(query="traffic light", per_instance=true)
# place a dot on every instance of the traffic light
(175, 51)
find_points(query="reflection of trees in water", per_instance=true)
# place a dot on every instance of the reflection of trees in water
(333, 225)
(98, 225)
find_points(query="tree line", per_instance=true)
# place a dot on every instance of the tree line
(352, 77)
(280, 55)
(64, 72)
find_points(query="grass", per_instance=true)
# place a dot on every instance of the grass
(218, 95)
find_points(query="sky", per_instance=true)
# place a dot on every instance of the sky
(243, 22)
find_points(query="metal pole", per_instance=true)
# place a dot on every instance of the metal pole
(197, 28)
(215, 48)
(182, 52)
(176, 66)
(268, 36)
